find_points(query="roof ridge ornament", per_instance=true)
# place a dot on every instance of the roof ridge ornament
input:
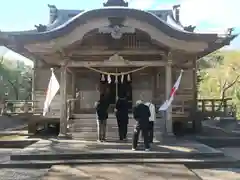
(41, 27)
(230, 31)
(53, 13)
(176, 10)
(115, 3)
(189, 28)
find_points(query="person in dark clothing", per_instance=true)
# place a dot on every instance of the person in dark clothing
(121, 111)
(141, 114)
(102, 116)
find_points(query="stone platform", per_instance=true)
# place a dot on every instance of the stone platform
(172, 148)
(46, 153)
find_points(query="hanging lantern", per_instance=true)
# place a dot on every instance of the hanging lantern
(128, 78)
(122, 78)
(102, 77)
(109, 79)
(116, 79)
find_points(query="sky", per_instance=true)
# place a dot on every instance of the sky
(207, 15)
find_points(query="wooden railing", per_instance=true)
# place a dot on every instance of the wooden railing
(16, 107)
(216, 107)
(181, 109)
(209, 107)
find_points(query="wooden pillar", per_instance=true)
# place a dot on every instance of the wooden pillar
(73, 75)
(158, 125)
(154, 84)
(73, 85)
(63, 96)
(196, 121)
(168, 85)
(33, 87)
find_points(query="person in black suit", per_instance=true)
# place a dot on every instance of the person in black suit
(121, 111)
(141, 114)
(102, 116)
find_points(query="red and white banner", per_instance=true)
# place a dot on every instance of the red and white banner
(52, 90)
(168, 102)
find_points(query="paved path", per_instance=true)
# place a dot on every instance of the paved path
(218, 174)
(121, 172)
(223, 173)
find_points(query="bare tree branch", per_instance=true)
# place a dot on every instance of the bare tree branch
(225, 88)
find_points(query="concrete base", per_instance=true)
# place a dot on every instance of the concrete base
(55, 149)
(194, 163)
(65, 136)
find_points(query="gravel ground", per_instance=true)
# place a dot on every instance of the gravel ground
(22, 174)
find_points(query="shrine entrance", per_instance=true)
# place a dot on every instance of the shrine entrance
(117, 86)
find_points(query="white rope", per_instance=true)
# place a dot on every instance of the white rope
(116, 74)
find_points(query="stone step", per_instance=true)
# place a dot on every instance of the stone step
(113, 154)
(20, 143)
(194, 163)
(219, 142)
(86, 128)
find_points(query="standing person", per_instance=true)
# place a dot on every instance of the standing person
(2, 105)
(152, 118)
(121, 111)
(102, 115)
(141, 114)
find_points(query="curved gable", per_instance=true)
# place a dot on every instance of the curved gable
(74, 30)
(139, 15)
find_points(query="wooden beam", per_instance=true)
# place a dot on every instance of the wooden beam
(115, 64)
(120, 52)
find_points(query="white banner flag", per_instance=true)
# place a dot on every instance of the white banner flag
(168, 102)
(52, 90)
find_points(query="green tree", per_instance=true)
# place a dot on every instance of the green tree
(15, 81)
(220, 76)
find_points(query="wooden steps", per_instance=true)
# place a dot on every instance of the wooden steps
(84, 127)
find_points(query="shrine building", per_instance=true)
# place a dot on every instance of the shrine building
(116, 50)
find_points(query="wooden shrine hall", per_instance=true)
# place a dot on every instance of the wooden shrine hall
(118, 50)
